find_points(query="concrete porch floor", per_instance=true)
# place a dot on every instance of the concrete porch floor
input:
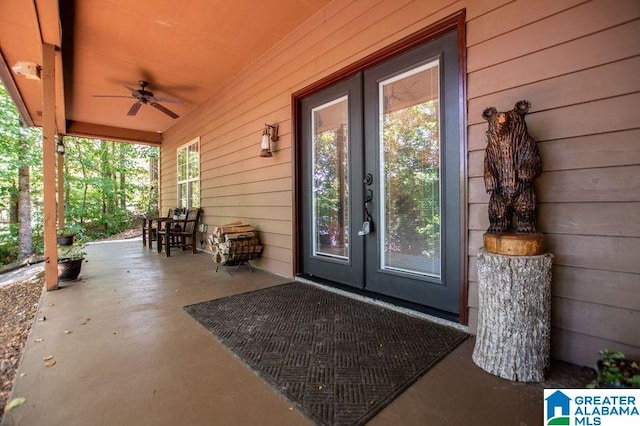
(141, 360)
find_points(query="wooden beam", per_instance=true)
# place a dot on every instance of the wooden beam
(61, 203)
(14, 92)
(48, 15)
(49, 165)
(92, 130)
(61, 118)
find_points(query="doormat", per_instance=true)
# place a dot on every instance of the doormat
(339, 360)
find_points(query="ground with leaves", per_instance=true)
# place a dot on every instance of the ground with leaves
(18, 307)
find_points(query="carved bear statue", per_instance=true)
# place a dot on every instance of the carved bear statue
(511, 163)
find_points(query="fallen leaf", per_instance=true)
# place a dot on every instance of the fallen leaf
(47, 358)
(15, 402)
(39, 339)
(67, 332)
(50, 363)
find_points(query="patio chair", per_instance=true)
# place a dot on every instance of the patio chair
(154, 224)
(180, 233)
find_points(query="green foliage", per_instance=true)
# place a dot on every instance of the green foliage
(330, 176)
(8, 248)
(615, 371)
(107, 184)
(73, 252)
(411, 149)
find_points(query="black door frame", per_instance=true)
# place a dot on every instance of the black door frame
(453, 22)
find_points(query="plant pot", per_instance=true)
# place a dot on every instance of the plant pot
(69, 269)
(65, 240)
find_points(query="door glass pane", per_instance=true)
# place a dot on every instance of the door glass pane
(329, 124)
(410, 173)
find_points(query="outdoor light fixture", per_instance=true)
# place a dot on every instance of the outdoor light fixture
(269, 138)
(60, 147)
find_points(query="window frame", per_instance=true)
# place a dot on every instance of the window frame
(187, 181)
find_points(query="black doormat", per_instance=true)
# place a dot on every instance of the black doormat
(339, 360)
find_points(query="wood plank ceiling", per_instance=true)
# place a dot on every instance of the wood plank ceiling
(184, 49)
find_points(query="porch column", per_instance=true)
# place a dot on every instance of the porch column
(60, 191)
(49, 165)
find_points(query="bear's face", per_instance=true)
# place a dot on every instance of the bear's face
(501, 123)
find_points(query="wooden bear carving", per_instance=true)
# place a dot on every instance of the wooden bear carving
(511, 163)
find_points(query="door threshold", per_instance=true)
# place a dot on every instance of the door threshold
(375, 299)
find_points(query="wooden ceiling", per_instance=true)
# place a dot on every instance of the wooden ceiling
(184, 49)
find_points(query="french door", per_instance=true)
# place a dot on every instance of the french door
(380, 178)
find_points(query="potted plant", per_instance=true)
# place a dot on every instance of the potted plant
(70, 260)
(616, 371)
(66, 237)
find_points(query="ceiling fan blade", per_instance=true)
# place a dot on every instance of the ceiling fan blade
(134, 108)
(112, 96)
(168, 100)
(131, 89)
(163, 109)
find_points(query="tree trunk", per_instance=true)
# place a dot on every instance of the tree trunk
(13, 203)
(514, 316)
(24, 211)
(123, 192)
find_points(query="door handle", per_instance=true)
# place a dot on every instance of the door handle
(367, 225)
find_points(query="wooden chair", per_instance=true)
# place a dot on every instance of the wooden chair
(152, 225)
(180, 233)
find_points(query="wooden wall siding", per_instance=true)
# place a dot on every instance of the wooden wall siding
(236, 183)
(575, 60)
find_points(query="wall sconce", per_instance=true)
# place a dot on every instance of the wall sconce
(269, 138)
(60, 147)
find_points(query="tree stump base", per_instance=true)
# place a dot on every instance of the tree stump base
(514, 318)
(514, 244)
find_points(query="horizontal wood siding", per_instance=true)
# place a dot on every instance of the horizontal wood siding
(236, 183)
(575, 60)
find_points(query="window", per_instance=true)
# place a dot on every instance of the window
(189, 174)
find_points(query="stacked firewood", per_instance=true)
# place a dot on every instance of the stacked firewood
(234, 242)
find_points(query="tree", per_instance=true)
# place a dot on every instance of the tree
(107, 185)
(19, 146)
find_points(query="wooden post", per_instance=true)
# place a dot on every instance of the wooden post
(49, 165)
(514, 316)
(61, 218)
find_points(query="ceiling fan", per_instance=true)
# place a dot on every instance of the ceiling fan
(144, 96)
